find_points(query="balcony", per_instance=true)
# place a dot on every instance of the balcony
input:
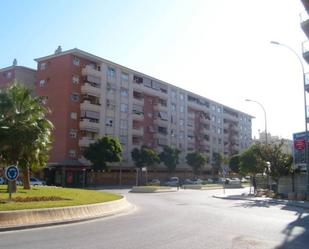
(139, 102)
(304, 22)
(89, 124)
(305, 47)
(136, 116)
(91, 89)
(85, 141)
(159, 121)
(138, 131)
(87, 105)
(89, 70)
(160, 107)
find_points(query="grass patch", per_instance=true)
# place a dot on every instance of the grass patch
(54, 197)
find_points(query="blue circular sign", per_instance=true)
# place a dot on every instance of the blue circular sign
(11, 172)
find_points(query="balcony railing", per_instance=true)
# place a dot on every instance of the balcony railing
(91, 89)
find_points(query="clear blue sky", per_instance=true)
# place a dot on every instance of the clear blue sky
(219, 49)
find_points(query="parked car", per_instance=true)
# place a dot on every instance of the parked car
(209, 180)
(173, 181)
(19, 182)
(2, 180)
(188, 181)
(198, 181)
(232, 181)
(35, 182)
(155, 182)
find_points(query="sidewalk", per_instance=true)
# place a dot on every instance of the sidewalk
(294, 203)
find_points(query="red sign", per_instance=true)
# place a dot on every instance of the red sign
(299, 144)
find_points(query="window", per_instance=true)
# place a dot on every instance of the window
(123, 107)
(124, 77)
(181, 96)
(173, 94)
(123, 124)
(9, 75)
(111, 72)
(43, 66)
(76, 61)
(181, 122)
(123, 139)
(173, 107)
(182, 108)
(163, 115)
(75, 79)
(109, 122)
(73, 115)
(124, 92)
(75, 97)
(42, 83)
(72, 153)
(73, 133)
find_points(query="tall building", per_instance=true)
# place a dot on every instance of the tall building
(90, 97)
(17, 73)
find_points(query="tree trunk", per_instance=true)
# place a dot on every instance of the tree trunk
(26, 178)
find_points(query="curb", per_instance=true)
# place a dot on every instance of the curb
(23, 219)
(151, 190)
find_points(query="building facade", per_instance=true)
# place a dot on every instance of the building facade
(90, 97)
(16, 73)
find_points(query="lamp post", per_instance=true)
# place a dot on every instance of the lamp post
(265, 119)
(305, 103)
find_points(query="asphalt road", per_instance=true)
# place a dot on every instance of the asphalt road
(188, 219)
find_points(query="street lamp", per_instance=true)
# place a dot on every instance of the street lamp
(305, 103)
(265, 119)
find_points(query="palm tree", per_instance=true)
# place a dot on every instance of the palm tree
(25, 133)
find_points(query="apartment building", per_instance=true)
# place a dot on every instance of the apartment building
(17, 73)
(90, 97)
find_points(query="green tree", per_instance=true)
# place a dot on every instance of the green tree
(102, 151)
(196, 160)
(25, 133)
(280, 162)
(217, 160)
(251, 161)
(170, 157)
(145, 156)
(234, 163)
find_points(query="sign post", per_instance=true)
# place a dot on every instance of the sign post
(11, 174)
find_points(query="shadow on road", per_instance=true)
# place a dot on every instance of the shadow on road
(296, 233)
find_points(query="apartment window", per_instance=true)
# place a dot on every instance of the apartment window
(181, 122)
(73, 115)
(73, 133)
(173, 106)
(72, 153)
(42, 83)
(182, 108)
(124, 77)
(109, 122)
(123, 139)
(9, 75)
(173, 94)
(111, 72)
(123, 107)
(163, 115)
(123, 124)
(219, 110)
(124, 92)
(76, 61)
(181, 96)
(43, 66)
(75, 79)
(75, 97)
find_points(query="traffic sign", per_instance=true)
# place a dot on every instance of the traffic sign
(11, 172)
(300, 144)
